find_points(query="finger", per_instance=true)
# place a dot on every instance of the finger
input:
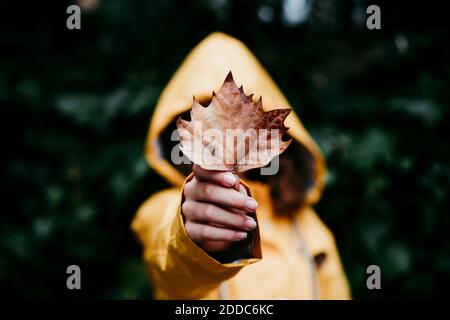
(216, 246)
(237, 183)
(208, 192)
(209, 213)
(224, 178)
(243, 190)
(192, 185)
(200, 233)
(237, 211)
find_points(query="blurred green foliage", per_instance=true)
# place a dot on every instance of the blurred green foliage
(75, 106)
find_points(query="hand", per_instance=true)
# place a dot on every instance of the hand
(215, 213)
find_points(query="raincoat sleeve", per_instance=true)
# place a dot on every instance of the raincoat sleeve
(179, 269)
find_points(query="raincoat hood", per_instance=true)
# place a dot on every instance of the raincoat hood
(202, 72)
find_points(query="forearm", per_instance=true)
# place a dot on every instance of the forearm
(179, 268)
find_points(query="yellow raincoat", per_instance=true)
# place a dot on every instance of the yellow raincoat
(290, 260)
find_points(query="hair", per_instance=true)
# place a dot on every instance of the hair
(288, 188)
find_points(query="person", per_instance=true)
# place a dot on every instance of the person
(214, 235)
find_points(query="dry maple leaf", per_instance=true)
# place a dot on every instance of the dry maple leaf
(233, 132)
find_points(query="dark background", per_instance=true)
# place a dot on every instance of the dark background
(75, 107)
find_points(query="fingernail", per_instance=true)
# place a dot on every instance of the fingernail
(229, 178)
(242, 235)
(250, 223)
(251, 204)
